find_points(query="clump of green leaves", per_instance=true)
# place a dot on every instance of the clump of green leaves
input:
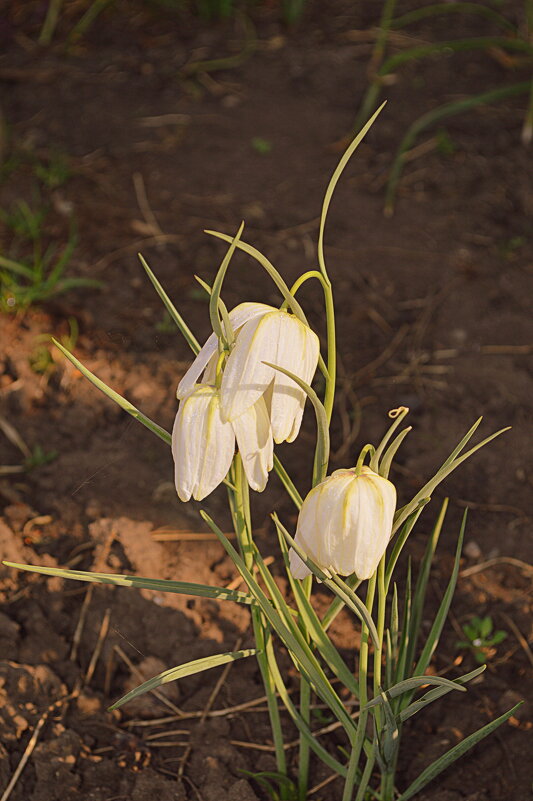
(481, 638)
(39, 274)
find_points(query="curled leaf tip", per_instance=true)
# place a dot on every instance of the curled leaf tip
(393, 413)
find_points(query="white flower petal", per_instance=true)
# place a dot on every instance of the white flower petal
(345, 523)
(246, 377)
(254, 440)
(298, 349)
(238, 316)
(202, 444)
(370, 508)
(281, 339)
(297, 567)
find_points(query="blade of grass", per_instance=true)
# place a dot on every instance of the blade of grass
(436, 9)
(438, 692)
(307, 665)
(114, 396)
(140, 582)
(454, 753)
(188, 669)
(336, 584)
(412, 684)
(436, 115)
(436, 629)
(419, 595)
(171, 309)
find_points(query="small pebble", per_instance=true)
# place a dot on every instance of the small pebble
(472, 550)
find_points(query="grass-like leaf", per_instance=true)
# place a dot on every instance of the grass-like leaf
(306, 660)
(438, 9)
(339, 169)
(171, 309)
(436, 693)
(140, 582)
(419, 595)
(276, 278)
(114, 396)
(454, 753)
(335, 584)
(188, 669)
(438, 624)
(435, 116)
(411, 684)
(322, 445)
(313, 625)
(448, 467)
(224, 334)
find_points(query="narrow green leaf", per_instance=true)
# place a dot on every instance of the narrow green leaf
(454, 753)
(337, 604)
(401, 539)
(419, 596)
(114, 396)
(270, 269)
(339, 169)
(435, 116)
(140, 582)
(411, 684)
(307, 665)
(438, 692)
(436, 9)
(313, 626)
(401, 664)
(287, 482)
(224, 335)
(171, 309)
(390, 453)
(322, 445)
(276, 278)
(455, 46)
(336, 584)
(16, 267)
(438, 624)
(299, 721)
(188, 669)
(447, 468)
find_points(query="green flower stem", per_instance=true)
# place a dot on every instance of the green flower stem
(243, 529)
(378, 649)
(305, 710)
(332, 350)
(357, 746)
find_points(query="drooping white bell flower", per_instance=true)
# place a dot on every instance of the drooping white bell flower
(281, 339)
(345, 524)
(203, 444)
(238, 316)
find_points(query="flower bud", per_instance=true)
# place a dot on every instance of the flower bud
(345, 524)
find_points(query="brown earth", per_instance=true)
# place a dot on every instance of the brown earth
(433, 309)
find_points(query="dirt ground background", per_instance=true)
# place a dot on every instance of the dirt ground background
(143, 152)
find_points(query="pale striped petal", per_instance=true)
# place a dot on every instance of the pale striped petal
(281, 339)
(298, 351)
(254, 441)
(202, 444)
(246, 377)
